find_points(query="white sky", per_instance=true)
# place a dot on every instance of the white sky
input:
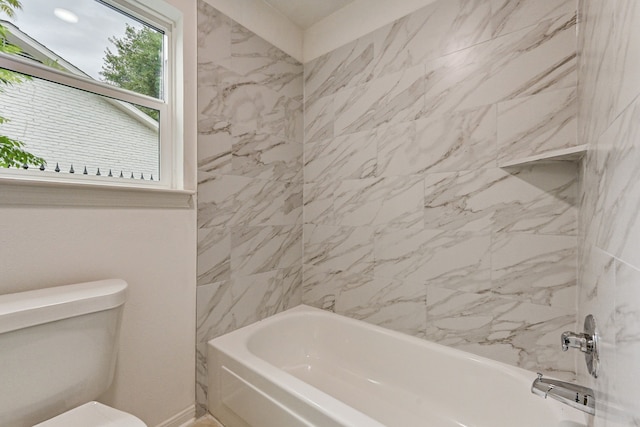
(84, 43)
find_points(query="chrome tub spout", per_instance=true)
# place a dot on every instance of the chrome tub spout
(574, 395)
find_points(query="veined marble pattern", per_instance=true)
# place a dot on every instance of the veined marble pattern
(422, 110)
(214, 249)
(537, 124)
(318, 203)
(433, 31)
(509, 16)
(265, 64)
(610, 197)
(345, 157)
(522, 63)
(338, 249)
(499, 328)
(390, 99)
(262, 249)
(535, 268)
(618, 200)
(250, 181)
(376, 201)
(453, 260)
(453, 142)
(610, 42)
(539, 199)
(347, 66)
(266, 157)
(318, 120)
(237, 200)
(386, 302)
(214, 35)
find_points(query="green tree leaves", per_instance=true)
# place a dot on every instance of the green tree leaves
(136, 63)
(12, 152)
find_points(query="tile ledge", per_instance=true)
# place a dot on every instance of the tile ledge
(568, 154)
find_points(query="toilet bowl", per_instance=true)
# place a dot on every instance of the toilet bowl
(93, 414)
(58, 348)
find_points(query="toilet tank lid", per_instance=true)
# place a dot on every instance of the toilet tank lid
(25, 309)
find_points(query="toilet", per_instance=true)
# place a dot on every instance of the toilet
(58, 349)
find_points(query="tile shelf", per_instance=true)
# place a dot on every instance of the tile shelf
(571, 154)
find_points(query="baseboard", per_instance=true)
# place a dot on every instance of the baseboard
(181, 419)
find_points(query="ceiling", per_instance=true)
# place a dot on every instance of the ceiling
(305, 13)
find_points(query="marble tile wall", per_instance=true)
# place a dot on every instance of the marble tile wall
(409, 222)
(249, 181)
(609, 260)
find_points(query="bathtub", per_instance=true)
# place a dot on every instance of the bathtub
(308, 367)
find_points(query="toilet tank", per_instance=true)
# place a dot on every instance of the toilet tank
(58, 348)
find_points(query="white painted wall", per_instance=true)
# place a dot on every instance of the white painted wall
(154, 250)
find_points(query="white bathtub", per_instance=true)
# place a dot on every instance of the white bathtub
(307, 367)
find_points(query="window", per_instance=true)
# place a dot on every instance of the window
(85, 92)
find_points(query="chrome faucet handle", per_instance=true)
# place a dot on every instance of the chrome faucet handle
(586, 342)
(583, 342)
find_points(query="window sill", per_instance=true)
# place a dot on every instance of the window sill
(29, 192)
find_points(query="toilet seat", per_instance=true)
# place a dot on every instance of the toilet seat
(93, 414)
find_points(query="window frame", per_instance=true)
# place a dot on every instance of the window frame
(170, 142)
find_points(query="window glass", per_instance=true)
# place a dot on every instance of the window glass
(75, 131)
(89, 38)
(63, 66)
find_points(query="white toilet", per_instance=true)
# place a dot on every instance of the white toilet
(58, 349)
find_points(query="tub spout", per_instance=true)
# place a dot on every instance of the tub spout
(574, 395)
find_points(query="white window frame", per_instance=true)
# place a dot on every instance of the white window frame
(170, 133)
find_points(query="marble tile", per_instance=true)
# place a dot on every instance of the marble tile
(266, 157)
(610, 44)
(435, 30)
(510, 331)
(263, 63)
(345, 157)
(322, 288)
(214, 35)
(509, 16)
(535, 268)
(264, 248)
(618, 196)
(454, 260)
(397, 305)
(394, 98)
(292, 202)
(244, 106)
(463, 201)
(523, 63)
(339, 249)
(214, 152)
(318, 120)
(597, 296)
(226, 306)
(539, 199)
(627, 339)
(537, 124)
(291, 279)
(346, 66)
(214, 251)
(318, 203)
(377, 201)
(236, 200)
(458, 141)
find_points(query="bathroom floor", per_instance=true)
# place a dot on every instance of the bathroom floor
(206, 421)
